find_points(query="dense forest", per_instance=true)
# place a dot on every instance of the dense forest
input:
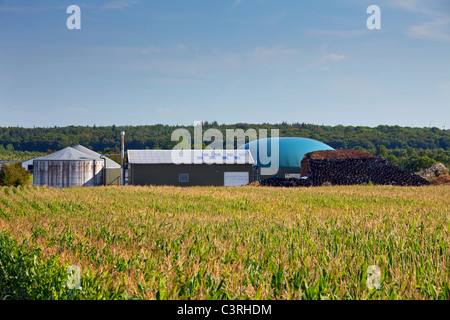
(397, 144)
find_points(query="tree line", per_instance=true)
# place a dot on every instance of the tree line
(395, 143)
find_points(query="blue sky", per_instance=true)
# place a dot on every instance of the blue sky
(137, 62)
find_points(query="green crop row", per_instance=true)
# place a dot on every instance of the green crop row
(226, 243)
(26, 275)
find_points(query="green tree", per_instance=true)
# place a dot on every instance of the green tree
(382, 151)
(411, 152)
(392, 159)
(402, 142)
(13, 174)
(417, 163)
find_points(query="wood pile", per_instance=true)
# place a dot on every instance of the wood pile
(348, 167)
(360, 171)
(332, 154)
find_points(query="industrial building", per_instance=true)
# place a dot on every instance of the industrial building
(28, 165)
(71, 167)
(291, 153)
(80, 166)
(197, 168)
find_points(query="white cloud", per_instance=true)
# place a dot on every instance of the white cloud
(265, 54)
(19, 110)
(138, 50)
(119, 4)
(76, 109)
(437, 30)
(354, 87)
(435, 17)
(336, 57)
(164, 111)
(325, 60)
(417, 6)
(237, 3)
(274, 19)
(337, 33)
(232, 59)
(27, 9)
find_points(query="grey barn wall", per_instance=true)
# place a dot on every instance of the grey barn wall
(112, 176)
(199, 174)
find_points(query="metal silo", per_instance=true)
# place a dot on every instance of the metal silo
(67, 168)
(111, 168)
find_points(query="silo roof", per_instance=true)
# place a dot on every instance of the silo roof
(291, 150)
(109, 163)
(67, 154)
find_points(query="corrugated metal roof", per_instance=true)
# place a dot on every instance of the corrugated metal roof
(67, 154)
(190, 157)
(109, 163)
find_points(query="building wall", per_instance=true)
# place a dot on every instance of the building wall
(199, 175)
(112, 176)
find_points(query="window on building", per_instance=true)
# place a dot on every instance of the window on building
(183, 177)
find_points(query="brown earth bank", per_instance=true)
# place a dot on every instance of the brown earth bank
(441, 180)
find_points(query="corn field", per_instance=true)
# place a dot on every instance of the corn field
(225, 243)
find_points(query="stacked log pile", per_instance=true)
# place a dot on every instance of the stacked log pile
(348, 167)
(332, 154)
(359, 171)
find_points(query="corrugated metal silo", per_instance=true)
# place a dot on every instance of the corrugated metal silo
(111, 169)
(67, 168)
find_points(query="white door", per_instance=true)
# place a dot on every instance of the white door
(236, 178)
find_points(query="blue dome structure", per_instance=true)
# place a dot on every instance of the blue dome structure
(291, 152)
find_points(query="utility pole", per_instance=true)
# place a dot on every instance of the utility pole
(122, 134)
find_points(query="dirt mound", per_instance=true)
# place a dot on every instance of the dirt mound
(441, 180)
(339, 154)
(434, 171)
